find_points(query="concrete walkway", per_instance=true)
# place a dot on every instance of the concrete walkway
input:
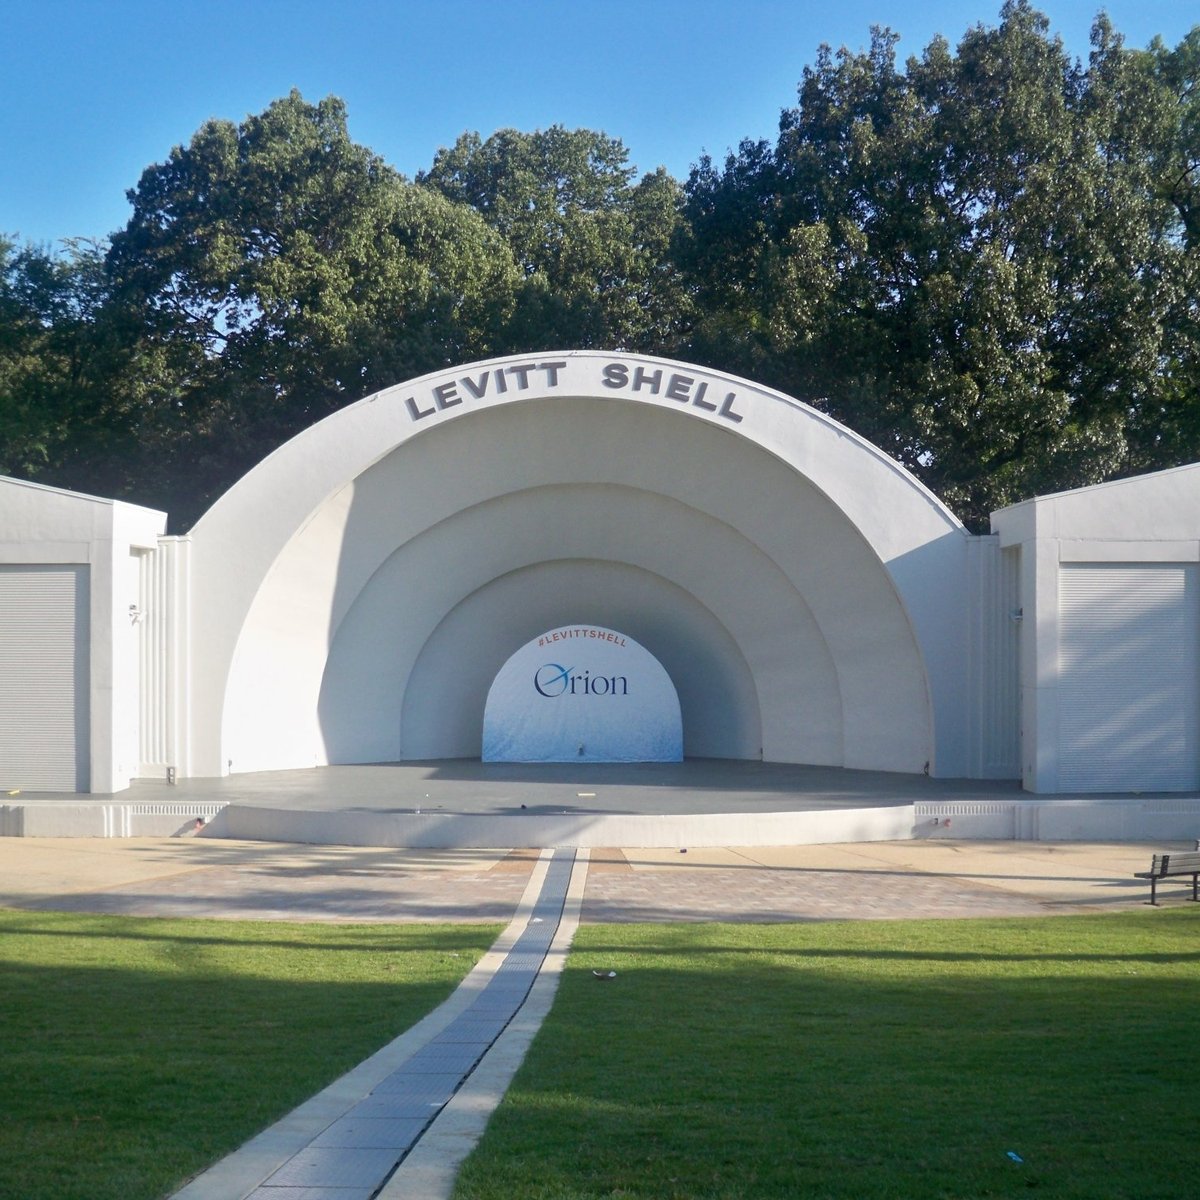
(426, 1097)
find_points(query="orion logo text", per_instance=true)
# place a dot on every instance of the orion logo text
(554, 680)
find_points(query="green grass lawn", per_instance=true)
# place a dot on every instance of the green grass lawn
(861, 1060)
(136, 1051)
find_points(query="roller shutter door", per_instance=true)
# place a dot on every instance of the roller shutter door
(44, 678)
(1128, 681)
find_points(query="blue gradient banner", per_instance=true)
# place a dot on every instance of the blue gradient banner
(582, 693)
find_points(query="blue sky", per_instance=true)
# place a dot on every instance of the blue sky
(93, 91)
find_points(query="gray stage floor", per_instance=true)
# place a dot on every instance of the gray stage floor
(468, 786)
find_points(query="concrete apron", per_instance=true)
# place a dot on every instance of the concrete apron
(431, 1165)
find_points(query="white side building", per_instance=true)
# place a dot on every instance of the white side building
(71, 613)
(1110, 654)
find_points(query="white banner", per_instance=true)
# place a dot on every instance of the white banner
(582, 694)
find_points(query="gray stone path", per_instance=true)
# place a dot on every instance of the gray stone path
(344, 1146)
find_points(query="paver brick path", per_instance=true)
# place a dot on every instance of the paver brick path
(218, 878)
(170, 878)
(714, 893)
(870, 880)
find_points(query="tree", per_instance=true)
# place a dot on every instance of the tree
(31, 298)
(282, 271)
(987, 261)
(971, 261)
(592, 244)
(1158, 91)
(63, 361)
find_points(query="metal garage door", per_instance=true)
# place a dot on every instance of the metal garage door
(1128, 681)
(44, 678)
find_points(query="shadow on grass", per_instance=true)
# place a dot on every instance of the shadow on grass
(48, 923)
(966, 957)
(806, 1064)
(131, 1062)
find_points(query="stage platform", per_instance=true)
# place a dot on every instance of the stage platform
(700, 802)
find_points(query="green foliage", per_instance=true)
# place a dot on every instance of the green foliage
(591, 243)
(986, 260)
(284, 271)
(977, 261)
(30, 286)
(137, 1051)
(60, 352)
(899, 1060)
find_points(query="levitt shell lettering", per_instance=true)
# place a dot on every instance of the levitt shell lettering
(582, 693)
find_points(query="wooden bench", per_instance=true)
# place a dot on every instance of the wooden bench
(1167, 866)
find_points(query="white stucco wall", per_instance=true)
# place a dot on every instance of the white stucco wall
(722, 715)
(400, 542)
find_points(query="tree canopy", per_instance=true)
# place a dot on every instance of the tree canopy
(985, 259)
(975, 261)
(281, 271)
(591, 243)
